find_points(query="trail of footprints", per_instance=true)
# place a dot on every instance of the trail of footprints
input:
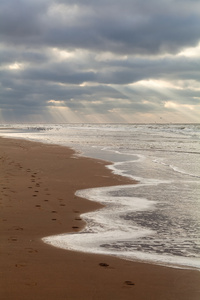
(36, 187)
(37, 191)
(6, 169)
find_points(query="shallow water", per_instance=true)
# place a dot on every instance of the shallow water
(157, 220)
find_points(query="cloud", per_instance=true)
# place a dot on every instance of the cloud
(120, 26)
(98, 57)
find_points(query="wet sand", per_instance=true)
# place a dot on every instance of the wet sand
(37, 187)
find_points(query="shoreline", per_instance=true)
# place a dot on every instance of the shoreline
(38, 199)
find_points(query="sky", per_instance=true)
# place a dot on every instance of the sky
(116, 61)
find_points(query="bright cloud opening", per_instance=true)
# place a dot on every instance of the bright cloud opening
(16, 66)
(191, 51)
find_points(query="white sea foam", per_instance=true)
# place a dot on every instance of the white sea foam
(176, 169)
(105, 227)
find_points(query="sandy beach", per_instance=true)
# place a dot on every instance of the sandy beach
(37, 199)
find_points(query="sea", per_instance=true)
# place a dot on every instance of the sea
(155, 221)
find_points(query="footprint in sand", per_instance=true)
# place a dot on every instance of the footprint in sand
(103, 265)
(20, 265)
(13, 239)
(31, 283)
(31, 250)
(18, 228)
(128, 282)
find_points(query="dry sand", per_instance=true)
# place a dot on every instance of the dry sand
(37, 186)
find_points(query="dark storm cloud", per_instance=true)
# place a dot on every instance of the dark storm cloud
(106, 72)
(21, 19)
(133, 70)
(22, 89)
(117, 26)
(111, 45)
(10, 55)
